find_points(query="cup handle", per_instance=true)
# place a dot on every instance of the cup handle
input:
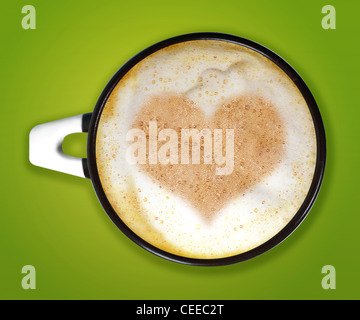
(45, 145)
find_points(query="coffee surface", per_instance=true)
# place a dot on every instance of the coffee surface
(199, 209)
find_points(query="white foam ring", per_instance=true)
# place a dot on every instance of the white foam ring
(207, 72)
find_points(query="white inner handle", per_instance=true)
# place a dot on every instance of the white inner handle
(45, 149)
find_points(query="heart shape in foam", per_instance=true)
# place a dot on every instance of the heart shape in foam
(258, 146)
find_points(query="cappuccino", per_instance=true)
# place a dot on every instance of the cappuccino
(206, 149)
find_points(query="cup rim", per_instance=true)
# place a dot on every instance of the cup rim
(320, 157)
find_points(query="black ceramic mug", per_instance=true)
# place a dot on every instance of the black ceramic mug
(46, 140)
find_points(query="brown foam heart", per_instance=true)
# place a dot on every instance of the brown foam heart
(258, 146)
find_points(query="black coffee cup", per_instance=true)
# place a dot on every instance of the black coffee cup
(46, 140)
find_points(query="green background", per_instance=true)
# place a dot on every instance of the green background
(54, 221)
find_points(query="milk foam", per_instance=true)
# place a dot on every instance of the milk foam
(207, 72)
